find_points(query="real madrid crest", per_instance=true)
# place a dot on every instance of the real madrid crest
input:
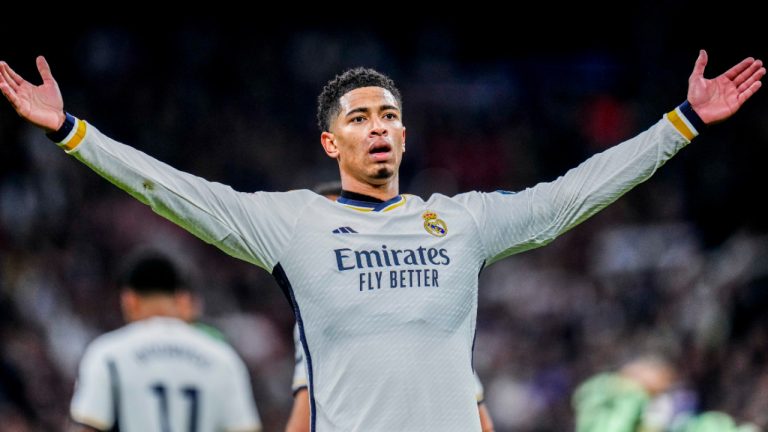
(433, 225)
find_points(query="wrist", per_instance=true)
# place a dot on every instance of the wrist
(692, 116)
(686, 121)
(62, 117)
(65, 127)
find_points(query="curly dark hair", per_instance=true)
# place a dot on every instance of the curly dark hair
(328, 105)
(150, 272)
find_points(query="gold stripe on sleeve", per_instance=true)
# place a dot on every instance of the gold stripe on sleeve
(77, 138)
(680, 125)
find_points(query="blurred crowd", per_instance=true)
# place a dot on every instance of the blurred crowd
(677, 268)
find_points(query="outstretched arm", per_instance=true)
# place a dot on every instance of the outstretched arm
(41, 105)
(254, 227)
(511, 223)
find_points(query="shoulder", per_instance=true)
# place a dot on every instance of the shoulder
(292, 195)
(414, 199)
(472, 198)
(108, 343)
(114, 338)
(480, 194)
(438, 199)
(193, 340)
(293, 200)
(205, 341)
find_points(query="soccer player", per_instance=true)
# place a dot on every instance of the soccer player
(299, 421)
(383, 285)
(618, 401)
(159, 373)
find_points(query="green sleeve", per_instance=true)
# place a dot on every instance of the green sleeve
(713, 421)
(609, 403)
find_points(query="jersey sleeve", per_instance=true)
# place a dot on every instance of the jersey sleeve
(711, 421)
(509, 223)
(239, 409)
(300, 369)
(92, 404)
(255, 227)
(608, 403)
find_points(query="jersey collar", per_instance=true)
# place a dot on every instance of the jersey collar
(365, 203)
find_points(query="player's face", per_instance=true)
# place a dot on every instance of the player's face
(368, 136)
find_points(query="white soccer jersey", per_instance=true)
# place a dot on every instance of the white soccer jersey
(385, 295)
(161, 374)
(300, 370)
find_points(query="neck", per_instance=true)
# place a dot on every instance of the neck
(385, 192)
(154, 307)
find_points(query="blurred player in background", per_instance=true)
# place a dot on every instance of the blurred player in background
(643, 396)
(158, 373)
(383, 285)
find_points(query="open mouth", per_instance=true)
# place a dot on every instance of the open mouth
(380, 150)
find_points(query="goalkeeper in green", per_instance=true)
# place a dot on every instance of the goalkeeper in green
(624, 401)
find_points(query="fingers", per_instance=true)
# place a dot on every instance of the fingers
(748, 73)
(701, 63)
(16, 78)
(746, 94)
(9, 94)
(733, 72)
(756, 76)
(7, 77)
(44, 69)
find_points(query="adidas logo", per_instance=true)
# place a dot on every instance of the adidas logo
(344, 230)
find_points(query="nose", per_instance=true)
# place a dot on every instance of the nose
(379, 131)
(377, 128)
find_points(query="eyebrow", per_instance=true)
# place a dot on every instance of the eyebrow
(365, 109)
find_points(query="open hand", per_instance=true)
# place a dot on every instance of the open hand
(41, 105)
(714, 100)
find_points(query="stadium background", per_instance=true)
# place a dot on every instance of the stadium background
(677, 267)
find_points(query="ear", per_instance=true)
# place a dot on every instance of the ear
(186, 307)
(328, 140)
(130, 305)
(403, 139)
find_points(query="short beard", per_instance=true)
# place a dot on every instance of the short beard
(383, 173)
